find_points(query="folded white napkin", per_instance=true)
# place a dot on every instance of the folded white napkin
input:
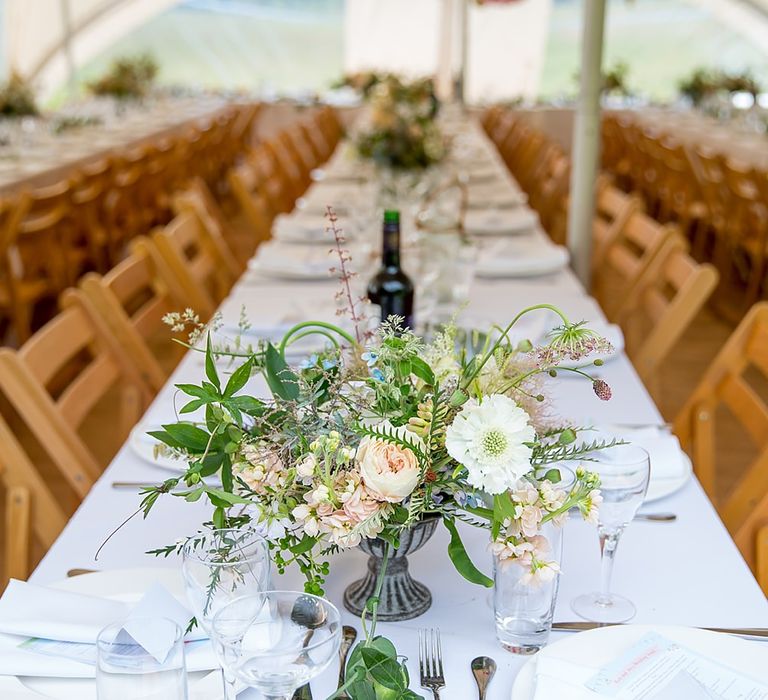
(29, 613)
(36, 611)
(557, 679)
(500, 222)
(521, 256)
(667, 458)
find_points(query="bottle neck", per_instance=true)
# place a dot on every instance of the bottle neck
(390, 251)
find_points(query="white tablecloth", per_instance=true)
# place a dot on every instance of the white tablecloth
(686, 573)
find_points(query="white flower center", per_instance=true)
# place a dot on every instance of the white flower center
(495, 443)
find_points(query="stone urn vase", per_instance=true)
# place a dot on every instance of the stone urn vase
(401, 597)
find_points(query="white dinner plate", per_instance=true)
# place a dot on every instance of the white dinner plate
(127, 585)
(598, 647)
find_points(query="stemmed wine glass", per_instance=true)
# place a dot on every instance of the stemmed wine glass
(624, 473)
(277, 641)
(220, 566)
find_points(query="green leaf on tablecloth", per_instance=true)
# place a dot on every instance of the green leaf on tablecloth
(460, 558)
(192, 406)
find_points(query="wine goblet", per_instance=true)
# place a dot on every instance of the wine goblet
(624, 472)
(277, 641)
(220, 566)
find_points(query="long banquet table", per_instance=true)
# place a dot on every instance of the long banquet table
(685, 573)
(36, 157)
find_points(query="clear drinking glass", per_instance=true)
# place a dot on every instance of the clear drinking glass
(624, 472)
(277, 641)
(220, 566)
(524, 610)
(127, 671)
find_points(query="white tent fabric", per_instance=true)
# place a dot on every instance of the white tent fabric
(506, 42)
(43, 36)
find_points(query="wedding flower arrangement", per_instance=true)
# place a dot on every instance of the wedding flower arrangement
(402, 133)
(127, 78)
(379, 431)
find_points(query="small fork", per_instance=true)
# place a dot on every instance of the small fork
(431, 661)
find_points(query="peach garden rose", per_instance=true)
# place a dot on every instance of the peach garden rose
(390, 472)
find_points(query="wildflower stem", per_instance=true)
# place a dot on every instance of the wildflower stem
(468, 380)
(316, 325)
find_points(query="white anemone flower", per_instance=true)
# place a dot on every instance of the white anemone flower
(488, 437)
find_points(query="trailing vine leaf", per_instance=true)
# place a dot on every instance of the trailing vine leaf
(460, 558)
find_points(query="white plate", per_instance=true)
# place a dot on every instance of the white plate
(143, 446)
(127, 585)
(661, 488)
(598, 647)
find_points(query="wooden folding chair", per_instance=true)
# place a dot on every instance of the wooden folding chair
(193, 258)
(246, 187)
(131, 300)
(613, 210)
(626, 259)
(90, 187)
(727, 384)
(198, 200)
(662, 305)
(55, 381)
(34, 514)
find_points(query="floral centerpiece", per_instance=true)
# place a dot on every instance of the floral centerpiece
(17, 98)
(127, 78)
(377, 433)
(402, 133)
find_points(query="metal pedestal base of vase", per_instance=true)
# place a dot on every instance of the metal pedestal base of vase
(401, 597)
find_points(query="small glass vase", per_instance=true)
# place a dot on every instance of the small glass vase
(401, 597)
(524, 610)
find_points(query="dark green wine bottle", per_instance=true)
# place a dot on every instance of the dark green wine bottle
(390, 288)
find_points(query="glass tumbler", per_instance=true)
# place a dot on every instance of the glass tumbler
(125, 670)
(523, 608)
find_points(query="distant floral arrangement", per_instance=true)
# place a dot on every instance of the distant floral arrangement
(704, 83)
(17, 98)
(127, 78)
(403, 133)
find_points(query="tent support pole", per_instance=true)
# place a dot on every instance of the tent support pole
(586, 141)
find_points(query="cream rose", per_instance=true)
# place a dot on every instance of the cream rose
(390, 472)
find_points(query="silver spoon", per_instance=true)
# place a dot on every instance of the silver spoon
(657, 517)
(483, 669)
(348, 637)
(308, 613)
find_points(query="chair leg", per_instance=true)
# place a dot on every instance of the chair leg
(761, 570)
(22, 322)
(18, 516)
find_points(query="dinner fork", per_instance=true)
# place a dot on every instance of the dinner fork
(431, 662)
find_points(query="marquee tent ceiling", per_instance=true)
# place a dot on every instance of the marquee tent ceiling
(45, 38)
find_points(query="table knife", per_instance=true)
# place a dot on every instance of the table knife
(755, 632)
